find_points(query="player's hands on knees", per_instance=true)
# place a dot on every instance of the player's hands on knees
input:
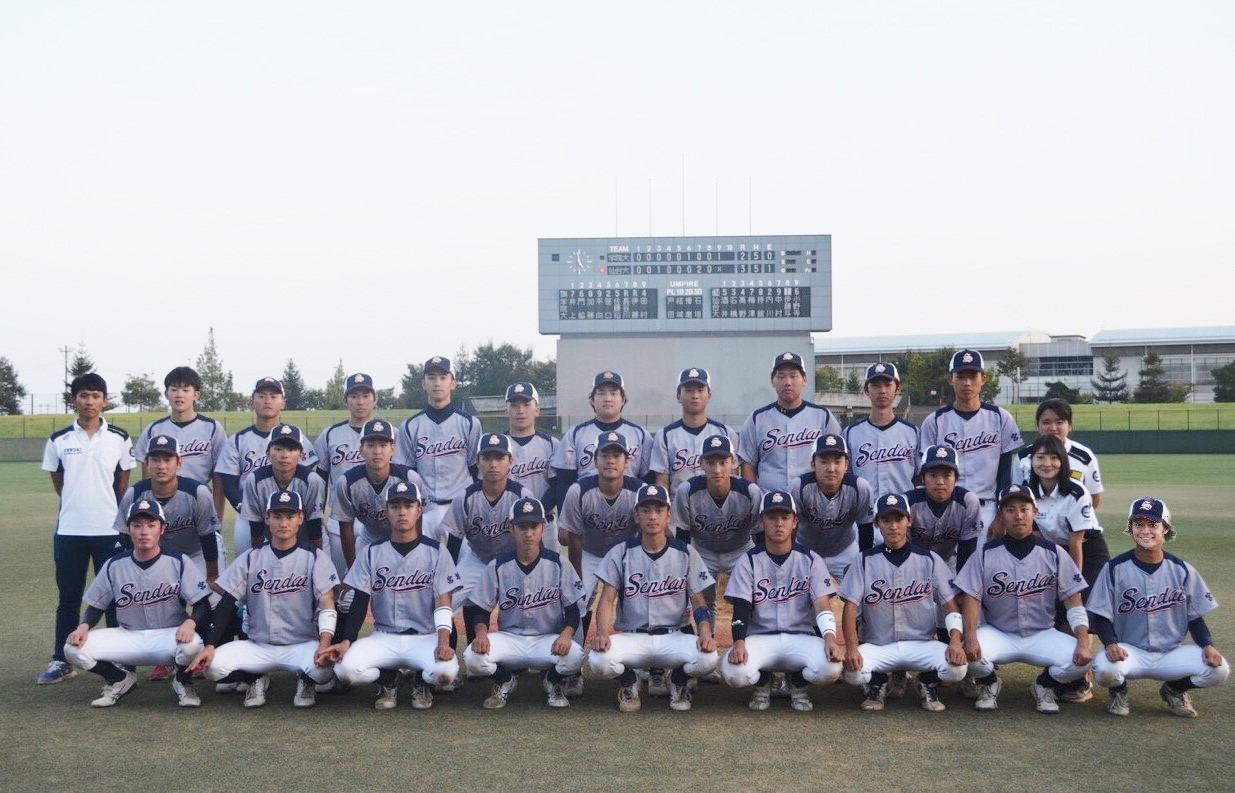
(707, 644)
(480, 645)
(186, 631)
(335, 652)
(324, 657)
(1211, 656)
(833, 649)
(973, 650)
(561, 646)
(600, 643)
(1084, 653)
(78, 637)
(853, 659)
(444, 652)
(738, 654)
(1115, 652)
(955, 654)
(203, 660)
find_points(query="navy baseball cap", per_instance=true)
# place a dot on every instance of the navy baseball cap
(527, 510)
(788, 359)
(895, 502)
(942, 456)
(1153, 508)
(655, 493)
(608, 378)
(695, 375)
(437, 364)
(286, 434)
(610, 440)
(404, 491)
(522, 391)
(284, 501)
(493, 442)
(163, 444)
(358, 381)
(377, 428)
(777, 501)
(882, 371)
(830, 443)
(1016, 491)
(268, 384)
(967, 361)
(145, 506)
(717, 446)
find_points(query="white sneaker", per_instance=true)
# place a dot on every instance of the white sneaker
(557, 696)
(679, 696)
(761, 697)
(112, 692)
(1178, 701)
(306, 694)
(1119, 704)
(930, 698)
(628, 698)
(501, 692)
(255, 697)
(875, 695)
(988, 696)
(387, 697)
(799, 699)
(657, 683)
(185, 695)
(1043, 697)
(422, 695)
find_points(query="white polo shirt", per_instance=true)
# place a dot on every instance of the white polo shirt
(89, 464)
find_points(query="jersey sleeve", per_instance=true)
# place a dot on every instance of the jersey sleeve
(455, 518)
(100, 594)
(484, 594)
(659, 453)
(403, 444)
(445, 578)
(927, 434)
(741, 580)
(315, 507)
(143, 442)
(233, 578)
(193, 586)
(564, 452)
(121, 525)
(680, 513)
(203, 512)
(831, 425)
(51, 457)
(325, 577)
(341, 507)
(1009, 433)
(748, 443)
(322, 452)
(821, 582)
(854, 583)
(473, 441)
(1093, 477)
(249, 502)
(1201, 600)
(864, 509)
(645, 453)
(572, 587)
(942, 579)
(218, 444)
(360, 576)
(610, 568)
(1069, 576)
(969, 579)
(1099, 599)
(697, 576)
(971, 520)
(1081, 516)
(229, 458)
(571, 518)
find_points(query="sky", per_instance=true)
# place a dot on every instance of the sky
(367, 182)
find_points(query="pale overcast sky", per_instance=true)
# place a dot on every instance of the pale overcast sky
(368, 181)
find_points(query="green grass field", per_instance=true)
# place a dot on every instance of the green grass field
(54, 740)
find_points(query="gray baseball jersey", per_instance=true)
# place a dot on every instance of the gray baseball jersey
(886, 457)
(531, 601)
(578, 447)
(337, 450)
(960, 519)
(201, 444)
(1149, 605)
(1082, 462)
(586, 511)
(440, 445)
(358, 499)
(781, 590)
(1018, 595)
(281, 590)
(245, 452)
(533, 465)
(404, 586)
(980, 438)
(189, 512)
(780, 443)
(653, 592)
(677, 449)
(722, 527)
(897, 593)
(148, 595)
(830, 525)
(258, 487)
(484, 526)
(1066, 510)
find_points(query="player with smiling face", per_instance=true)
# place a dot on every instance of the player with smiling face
(1054, 418)
(677, 448)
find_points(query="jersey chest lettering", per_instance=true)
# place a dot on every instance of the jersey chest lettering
(1167, 599)
(870, 453)
(669, 586)
(344, 454)
(611, 524)
(516, 598)
(404, 582)
(983, 440)
(479, 527)
(912, 592)
(767, 590)
(789, 440)
(425, 447)
(721, 525)
(131, 594)
(1003, 583)
(251, 461)
(194, 448)
(684, 459)
(529, 468)
(288, 584)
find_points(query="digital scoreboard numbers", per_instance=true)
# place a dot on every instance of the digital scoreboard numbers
(632, 285)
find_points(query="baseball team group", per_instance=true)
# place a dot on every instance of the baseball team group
(890, 556)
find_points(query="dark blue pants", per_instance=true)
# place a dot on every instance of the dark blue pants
(72, 556)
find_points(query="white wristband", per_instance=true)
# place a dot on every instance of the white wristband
(327, 621)
(1077, 618)
(826, 621)
(953, 622)
(443, 618)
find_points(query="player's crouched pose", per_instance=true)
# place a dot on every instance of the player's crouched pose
(536, 594)
(895, 588)
(1015, 582)
(647, 583)
(1141, 604)
(780, 592)
(409, 580)
(150, 590)
(284, 584)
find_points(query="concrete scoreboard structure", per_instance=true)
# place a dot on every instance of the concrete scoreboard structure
(648, 307)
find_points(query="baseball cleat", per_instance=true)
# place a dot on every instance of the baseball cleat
(160, 672)
(988, 696)
(186, 696)
(970, 688)
(657, 685)
(557, 696)
(761, 697)
(930, 698)
(679, 696)
(1178, 701)
(1119, 704)
(255, 697)
(875, 695)
(422, 695)
(501, 692)
(57, 672)
(574, 686)
(898, 682)
(628, 698)
(112, 692)
(387, 697)
(799, 699)
(1073, 694)
(1044, 698)
(306, 694)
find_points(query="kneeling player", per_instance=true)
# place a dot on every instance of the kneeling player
(409, 579)
(895, 588)
(1141, 604)
(150, 589)
(537, 594)
(1014, 582)
(656, 578)
(781, 592)
(284, 583)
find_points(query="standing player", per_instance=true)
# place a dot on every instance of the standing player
(1141, 605)
(533, 450)
(1014, 583)
(439, 443)
(89, 462)
(985, 436)
(576, 455)
(338, 451)
(896, 589)
(286, 471)
(836, 506)
(536, 593)
(1054, 417)
(285, 585)
(781, 595)
(945, 518)
(149, 588)
(884, 448)
(646, 585)
(677, 449)
(777, 439)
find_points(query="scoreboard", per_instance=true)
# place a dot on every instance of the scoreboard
(632, 285)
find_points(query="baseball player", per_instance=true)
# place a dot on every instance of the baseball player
(439, 443)
(533, 451)
(409, 581)
(284, 584)
(646, 584)
(836, 506)
(1141, 605)
(576, 455)
(776, 442)
(781, 595)
(536, 593)
(338, 451)
(884, 448)
(945, 518)
(285, 471)
(896, 589)
(677, 449)
(1014, 583)
(1054, 417)
(985, 436)
(150, 588)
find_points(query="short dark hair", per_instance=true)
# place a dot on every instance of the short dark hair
(91, 381)
(1051, 445)
(1059, 407)
(183, 375)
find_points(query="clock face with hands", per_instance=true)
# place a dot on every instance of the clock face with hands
(579, 262)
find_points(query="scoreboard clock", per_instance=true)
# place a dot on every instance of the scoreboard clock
(633, 285)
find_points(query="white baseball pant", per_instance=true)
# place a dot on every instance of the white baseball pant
(1048, 648)
(1141, 664)
(258, 658)
(922, 656)
(781, 652)
(367, 657)
(122, 646)
(648, 651)
(513, 651)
